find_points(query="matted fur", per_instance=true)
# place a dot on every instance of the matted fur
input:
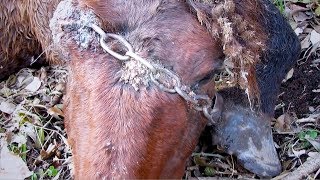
(239, 26)
(25, 33)
(114, 130)
(117, 132)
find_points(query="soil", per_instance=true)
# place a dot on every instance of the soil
(299, 94)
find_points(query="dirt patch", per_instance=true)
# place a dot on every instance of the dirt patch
(301, 93)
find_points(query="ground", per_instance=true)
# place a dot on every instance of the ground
(33, 137)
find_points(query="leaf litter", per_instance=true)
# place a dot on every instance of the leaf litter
(32, 124)
(33, 138)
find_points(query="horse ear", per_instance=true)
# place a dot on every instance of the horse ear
(108, 11)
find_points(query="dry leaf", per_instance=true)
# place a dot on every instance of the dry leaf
(61, 87)
(19, 139)
(283, 123)
(314, 37)
(7, 107)
(298, 153)
(43, 74)
(305, 43)
(2, 99)
(317, 11)
(55, 112)
(28, 129)
(34, 85)
(298, 31)
(11, 165)
(316, 90)
(52, 148)
(296, 8)
(301, 16)
(311, 109)
(289, 75)
(25, 77)
(313, 154)
(315, 143)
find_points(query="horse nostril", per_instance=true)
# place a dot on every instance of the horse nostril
(217, 108)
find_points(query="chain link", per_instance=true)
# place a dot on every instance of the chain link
(200, 102)
(104, 36)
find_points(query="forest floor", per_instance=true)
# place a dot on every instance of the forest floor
(31, 116)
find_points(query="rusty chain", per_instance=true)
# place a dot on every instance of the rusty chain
(201, 102)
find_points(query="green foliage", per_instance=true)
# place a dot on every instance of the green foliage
(34, 176)
(280, 5)
(310, 133)
(209, 171)
(317, 11)
(52, 171)
(23, 118)
(21, 151)
(306, 135)
(41, 136)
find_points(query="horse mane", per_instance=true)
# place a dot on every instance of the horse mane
(239, 26)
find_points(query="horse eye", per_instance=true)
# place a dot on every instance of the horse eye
(205, 80)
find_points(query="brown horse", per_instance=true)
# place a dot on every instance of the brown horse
(119, 123)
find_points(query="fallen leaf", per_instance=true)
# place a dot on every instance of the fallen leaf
(317, 11)
(305, 43)
(34, 85)
(52, 148)
(6, 92)
(7, 107)
(316, 90)
(11, 165)
(313, 154)
(283, 123)
(24, 77)
(311, 109)
(315, 143)
(289, 75)
(298, 153)
(314, 37)
(11, 80)
(301, 16)
(19, 139)
(298, 31)
(61, 87)
(310, 118)
(55, 112)
(2, 99)
(28, 129)
(43, 74)
(316, 61)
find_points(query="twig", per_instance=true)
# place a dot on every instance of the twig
(317, 173)
(305, 169)
(208, 155)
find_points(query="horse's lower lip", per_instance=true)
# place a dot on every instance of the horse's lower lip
(262, 168)
(264, 162)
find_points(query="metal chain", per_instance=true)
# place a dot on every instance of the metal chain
(201, 102)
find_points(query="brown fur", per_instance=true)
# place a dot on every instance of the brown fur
(25, 33)
(118, 132)
(115, 131)
(237, 24)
